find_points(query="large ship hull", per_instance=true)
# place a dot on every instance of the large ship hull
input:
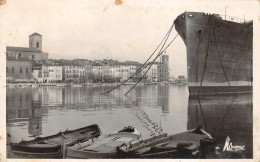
(219, 53)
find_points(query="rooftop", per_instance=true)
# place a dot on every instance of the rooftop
(35, 34)
(21, 49)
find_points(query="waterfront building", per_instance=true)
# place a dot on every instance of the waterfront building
(88, 72)
(19, 60)
(107, 73)
(152, 74)
(18, 70)
(172, 79)
(159, 71)
(97, 70)
(34, 52)
(45, 73)
(181, 79)
(163, 68)
(124, 70)
(54, 73)
(38, 72)
(73, 73)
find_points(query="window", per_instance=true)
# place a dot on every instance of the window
(21, 69)
(27, 70)
(6, 69)
(12, 69)
(37, 44)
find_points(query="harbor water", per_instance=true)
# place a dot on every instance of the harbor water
(152, 109)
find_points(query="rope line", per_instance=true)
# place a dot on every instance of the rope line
(205, 64)
(220, 60)
(168, 34)
(160, 53)
(196, 54)
(143, 66)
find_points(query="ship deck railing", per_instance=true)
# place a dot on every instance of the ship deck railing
(232, 18)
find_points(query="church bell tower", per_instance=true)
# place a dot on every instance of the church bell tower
(35, 41)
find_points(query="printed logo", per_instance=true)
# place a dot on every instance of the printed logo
(230, 147)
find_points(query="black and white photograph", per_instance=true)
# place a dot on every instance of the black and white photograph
(129, 79)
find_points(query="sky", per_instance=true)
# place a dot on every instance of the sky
(100, 29)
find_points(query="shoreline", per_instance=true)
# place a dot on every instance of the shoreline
(34, 85)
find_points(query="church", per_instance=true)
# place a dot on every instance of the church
(19, 60)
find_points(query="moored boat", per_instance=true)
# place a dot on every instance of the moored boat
(182, 145)
(51, 146)
(104, 146)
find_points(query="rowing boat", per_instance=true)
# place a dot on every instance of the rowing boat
(182, 145)
(104, 146)
(51, 146)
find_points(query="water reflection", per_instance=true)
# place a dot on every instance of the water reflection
(35, 120)
(30, 107)
(152, 109)
(224, 116)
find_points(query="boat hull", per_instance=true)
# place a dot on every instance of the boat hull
(104, 147)
(181, 145)
(219, 53)
(77, 154)
(219, 90)
(30, 155)
(51, 146)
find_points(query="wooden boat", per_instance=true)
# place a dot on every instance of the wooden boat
(51, 146)
(104, 146)
(183, 145)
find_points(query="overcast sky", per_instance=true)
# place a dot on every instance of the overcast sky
(99, 29)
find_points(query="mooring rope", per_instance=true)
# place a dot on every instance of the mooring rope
(159, 54)
(205, 64)
(145, 63)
